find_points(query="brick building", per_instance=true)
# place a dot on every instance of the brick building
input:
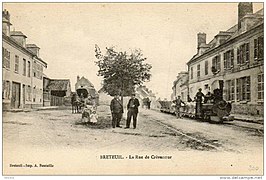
(22, 69)
(236, 57)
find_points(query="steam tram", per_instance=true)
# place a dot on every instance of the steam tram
(214, 108)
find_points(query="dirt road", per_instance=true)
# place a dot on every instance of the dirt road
(58, 138)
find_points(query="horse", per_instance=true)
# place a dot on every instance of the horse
(75, 104)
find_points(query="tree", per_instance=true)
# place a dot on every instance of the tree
(121, 71)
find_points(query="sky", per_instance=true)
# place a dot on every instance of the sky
(166, 33)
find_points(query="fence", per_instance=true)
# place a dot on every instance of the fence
(57, 101)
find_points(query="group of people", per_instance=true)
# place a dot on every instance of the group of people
(116, 107)
(198, 99)
(86, 106)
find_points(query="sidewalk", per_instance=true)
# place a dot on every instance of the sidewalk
(46, 108)
(33, 109)
(242, 117)
(249, 118)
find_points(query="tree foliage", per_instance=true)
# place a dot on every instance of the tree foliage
(121, 71)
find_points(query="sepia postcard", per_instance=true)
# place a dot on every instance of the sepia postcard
(121, 88)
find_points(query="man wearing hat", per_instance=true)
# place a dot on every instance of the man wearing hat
(178, 103)
(117, 111)
(132, 107)
(199, 99)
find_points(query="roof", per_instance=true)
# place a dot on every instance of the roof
(13, 41)
(83, 82)
(59, 84)
(17, 33)
(31, 46)
(230, 34)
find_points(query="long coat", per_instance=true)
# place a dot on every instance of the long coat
(135, 103)
(116, 106)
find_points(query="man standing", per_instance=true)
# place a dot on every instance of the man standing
(132, 107)
(199, 99)
(177, 103)
(117, 111)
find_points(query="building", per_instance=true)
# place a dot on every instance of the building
(56, 91)
(83, 83)
(142, 93)
(236, 57)
(180, 86)
(22, 69)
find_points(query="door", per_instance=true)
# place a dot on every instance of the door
(15, 100)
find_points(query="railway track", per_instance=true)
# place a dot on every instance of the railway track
(190, 139)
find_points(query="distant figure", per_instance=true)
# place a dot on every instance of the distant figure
(74, 106)
(132, 107)
(199, 97)
(178, 103)
(116, 107)
(148, 103)
(82, 99)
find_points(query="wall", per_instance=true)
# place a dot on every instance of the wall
(256, 107)
(12, 76)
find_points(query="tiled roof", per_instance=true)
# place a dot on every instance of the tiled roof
(232, 33)
(59, 84)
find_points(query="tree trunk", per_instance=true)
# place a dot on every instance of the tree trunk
(122, 93)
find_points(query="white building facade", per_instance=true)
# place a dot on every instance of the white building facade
(22, 69)
(236, 57)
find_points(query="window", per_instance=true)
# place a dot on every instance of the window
(16, 64)
(24, 67)
(232, 58)
(6, 58)
(243, 55)
(229, 59)
(260, 86)
(28, 68)
(206, 67)
(37, 70)
(247, 53)
(230, 90)
(258, 48)
(191, 75)
(6, 90)
(29, 93)
(34, 69)
(198, 70)
(243, 88)
(216, 63)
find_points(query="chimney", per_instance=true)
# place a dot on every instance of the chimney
(33, 48)
(78, 78)
(201, 39)
(243, 9)
(202, 46)
(6, 22)
(19, 37)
